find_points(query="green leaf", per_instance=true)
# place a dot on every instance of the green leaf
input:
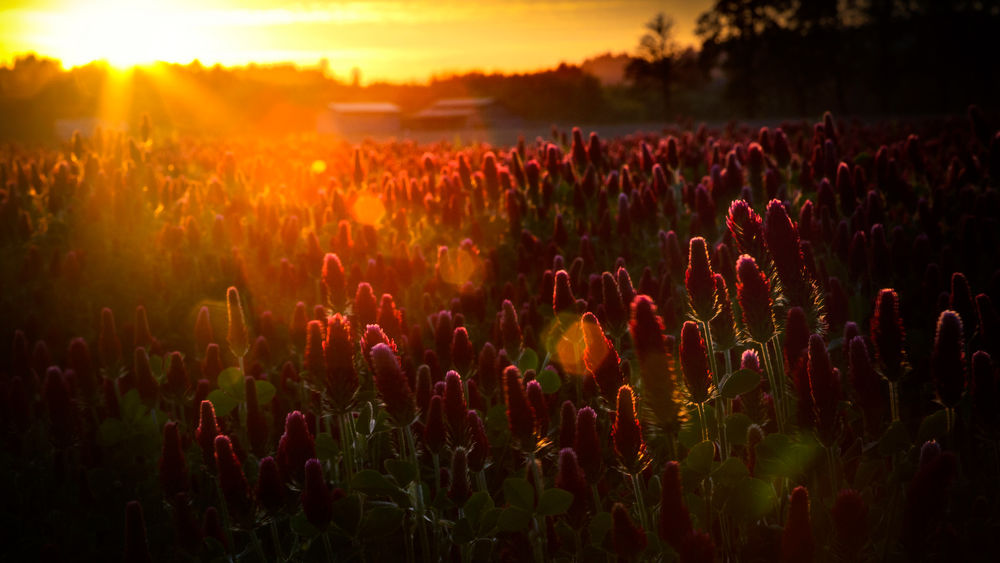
(700, 457)
(301, 525)
(514, 519)
(265, 392)
(752, 499)
(463, 532)
(933, 426)
(347, 514)
(519, 493)
(231, 381)
(496, 424)
(730, 472)
(489, 521)
(779, 456)
(549, 380)
(478, 503)
(223, 402)
(736, 428)
(111, 432)
(372, 482)
(365, 423)
(381, 521)
(600, 525)
(528, 360)
(739, 382)
(895, 438)
(131, 406)
(326, 447)
(402, 471)
(554, 502)
(156, 366)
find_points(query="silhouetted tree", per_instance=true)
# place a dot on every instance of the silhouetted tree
(654, 65)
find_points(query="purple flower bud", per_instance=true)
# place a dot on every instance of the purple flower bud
(587, 446)
(392, 385)
(206, 432)
(699, 279)
(173, 468)
(754, 294)
(232, 481)
(480, 450)
(626, 432)
(295, 446)
(694, 362)
(888, 336)
(317, 501)
(797, 544)
(948, 359)
(520, 415)
(271, 491)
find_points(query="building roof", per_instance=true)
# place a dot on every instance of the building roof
(364, 107)
(463, 103)
(436, 112)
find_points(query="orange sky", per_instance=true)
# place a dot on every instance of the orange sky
(397, 40)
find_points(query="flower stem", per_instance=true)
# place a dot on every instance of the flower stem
(894, 400)
(278, 552)
(411, 445)
(640, 501)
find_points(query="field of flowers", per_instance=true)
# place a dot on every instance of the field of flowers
(700, 345)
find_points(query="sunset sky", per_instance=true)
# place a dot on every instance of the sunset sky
(392, 40)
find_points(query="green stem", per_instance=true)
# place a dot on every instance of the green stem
(702, 421)
(894, 400)
(538, 535)
(278, 552)
(831, 461)
(640, 501)
(256, 546)
(347, 444)
(481, 480)
(327, 547)
(775, 388)
(597, 498)
(224, 513)
(419, 492)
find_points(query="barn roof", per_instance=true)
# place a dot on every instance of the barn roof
(364, 107)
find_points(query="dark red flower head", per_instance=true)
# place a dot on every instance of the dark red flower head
(462, 352)
(520, 415)
(746, 227)
(570, 477)
(850, 522)
(754, 294)
(271, 491)
(313, 359)
(626, 432)
(600, 358)
(723, 325)
(797, 544)
(365, 305)
(866, 384)
(455, 407)
(317, 500)
(232, 481)
(334, 280)
(295, 446)
(567, 424)
(782, 239)
(338, 351)
(948, 359)
(675, 521)
(541, 411)
(563, 301)
(587, 444)
(824, 389)
(699, 279)
(392, 385)
(136, 545)
(480, 445)
(510, 330)
(486, 371)
(206, 432)
(177, 376)
(435, 434)
(888, 335)
(173, 468)
(694, 362)
(628, 538)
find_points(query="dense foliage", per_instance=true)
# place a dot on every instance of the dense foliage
(692, 345)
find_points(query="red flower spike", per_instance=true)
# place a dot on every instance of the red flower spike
(541, 411)
(480, 449)
(142, 337)
(334, 281)
(563, 301)
(206, 432)
(520, 415)
(797, 544)
(628, 538)
(611, 297)
(434, 430)
(675, 521)
(392, 385)
(237, 335)
(570, 477)
(626, 432)
(723, 325)
(655, 360)
(699, 279)
(177, 376)
(694, 362)
(373, 335)
(299, 326)
(600, 358)
(587, 445)
(824, 389)
(510, 331)
(567, 425)
(486, 371)
(136, 545)
(313, 360)
(459, 489)
(754, 294)
(213, 526)
(317, 501)
(455, 407)
(462, 352)
(295, 446)
(850, 522)
(341, 376)
(746, 227)
(271, 491)
(697, 547)
(948, 359)
(232, 481)
(888, 335)
(782, 239)
(173, 468)
(365, 305)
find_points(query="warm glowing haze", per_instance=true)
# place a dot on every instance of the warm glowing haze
(390, 40)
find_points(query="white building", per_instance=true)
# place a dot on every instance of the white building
(360, 119)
